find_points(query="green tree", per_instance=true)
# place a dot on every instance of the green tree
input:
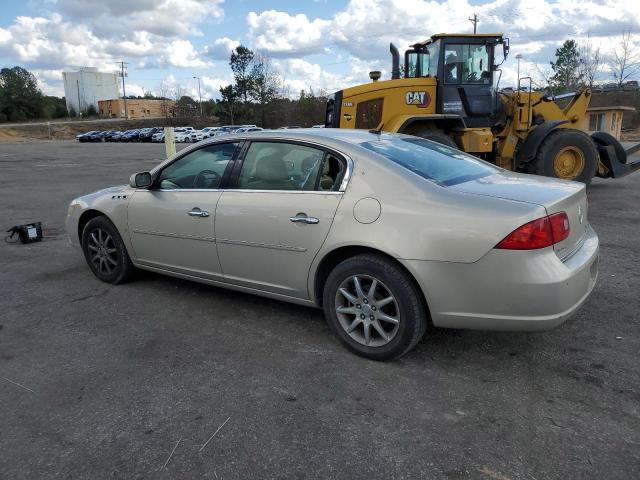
(20, 97)
(566, 69)
(240, 63)
(264, 84)
(228, 103)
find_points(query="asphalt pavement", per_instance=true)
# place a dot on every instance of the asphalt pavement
(162, 378)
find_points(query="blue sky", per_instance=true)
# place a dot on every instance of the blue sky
(321, 44)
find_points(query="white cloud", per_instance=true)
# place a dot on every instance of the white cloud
(221, 48)
(278, 33)
(181, 53)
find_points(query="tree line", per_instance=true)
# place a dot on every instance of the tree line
(579, 64)
(21, 99)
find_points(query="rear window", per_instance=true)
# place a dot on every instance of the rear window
(433, 161)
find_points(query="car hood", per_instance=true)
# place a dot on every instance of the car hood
(521, 187)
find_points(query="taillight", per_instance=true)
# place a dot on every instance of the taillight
(539, 233)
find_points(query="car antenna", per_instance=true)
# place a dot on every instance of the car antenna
(377, 131)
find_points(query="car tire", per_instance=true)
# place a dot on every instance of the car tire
(581, 156)
(395, 307)
(105, 251)
(437, 137)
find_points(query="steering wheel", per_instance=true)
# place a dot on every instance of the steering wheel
(206, 178)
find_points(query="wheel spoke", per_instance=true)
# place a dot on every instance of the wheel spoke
(372, 290)
(111, 250)
(100, 236)
(109, 259)
(348, 296)
(95, 240)
(384, 301)
(353, 325)
(359, 291)
(380, 330)
(92, 247)
(387, 318)
(367, 333)
(347, 310)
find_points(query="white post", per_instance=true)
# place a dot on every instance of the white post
(169, 142)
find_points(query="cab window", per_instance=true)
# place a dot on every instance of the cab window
(466, 64)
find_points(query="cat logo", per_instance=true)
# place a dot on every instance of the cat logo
(419, 99)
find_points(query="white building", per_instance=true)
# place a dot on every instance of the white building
(87, 86)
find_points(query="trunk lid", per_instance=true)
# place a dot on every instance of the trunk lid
(552, 194)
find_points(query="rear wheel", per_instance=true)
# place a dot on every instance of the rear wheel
(105, 251)
(437, 137)
(568, 154)
(374, 307)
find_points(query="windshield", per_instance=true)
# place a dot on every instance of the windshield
(433, 161)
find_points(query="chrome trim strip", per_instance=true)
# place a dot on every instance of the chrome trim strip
(246, 243)
(175, 235)
(306, 192)
(577, 247)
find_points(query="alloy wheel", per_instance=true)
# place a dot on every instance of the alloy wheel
(367, 310)
(102, 251)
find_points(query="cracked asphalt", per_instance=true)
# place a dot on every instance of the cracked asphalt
(162, 378)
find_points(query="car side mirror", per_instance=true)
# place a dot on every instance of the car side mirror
(141, 180)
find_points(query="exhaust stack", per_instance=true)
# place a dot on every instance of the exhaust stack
(395, 62)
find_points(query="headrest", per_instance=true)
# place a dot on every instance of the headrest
(271, 168)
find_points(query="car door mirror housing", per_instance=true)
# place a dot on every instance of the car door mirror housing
(141, 180)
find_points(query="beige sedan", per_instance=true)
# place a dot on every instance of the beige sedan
(387, 233)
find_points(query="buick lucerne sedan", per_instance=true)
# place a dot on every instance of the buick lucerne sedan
(387, 233)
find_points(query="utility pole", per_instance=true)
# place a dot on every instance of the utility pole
(199, 95)
(124, 91)
(79, 107)
(475, 21)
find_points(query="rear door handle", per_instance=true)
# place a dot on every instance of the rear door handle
(196, 212)
(302, 218)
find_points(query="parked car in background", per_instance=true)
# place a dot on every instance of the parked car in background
(466, 244)
(146, 134)
(158, 137)
(248, 129)
(85, 137)
(130, 136)
(320, 125)
(288, 127)
(208, 132)
(113, 137)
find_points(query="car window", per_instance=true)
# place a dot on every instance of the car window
(281, 166)
(433, 161)
(202, 168)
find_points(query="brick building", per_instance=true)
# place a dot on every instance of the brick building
(137, 108)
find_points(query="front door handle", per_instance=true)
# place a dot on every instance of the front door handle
(302, 218)
(196, 212)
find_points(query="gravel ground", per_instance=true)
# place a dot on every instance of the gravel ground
(162, 378)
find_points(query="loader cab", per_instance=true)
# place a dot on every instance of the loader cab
(465, 70)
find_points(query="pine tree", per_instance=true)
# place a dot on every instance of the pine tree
(566, 69)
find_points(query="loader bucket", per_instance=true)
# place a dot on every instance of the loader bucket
(614, 156)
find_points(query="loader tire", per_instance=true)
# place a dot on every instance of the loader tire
(567, 154)
(437, 137)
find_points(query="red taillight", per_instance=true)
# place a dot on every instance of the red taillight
(559, 226)
(539, 233)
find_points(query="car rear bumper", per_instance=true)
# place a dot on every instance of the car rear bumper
(509, 290)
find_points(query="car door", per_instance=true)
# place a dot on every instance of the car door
(276, 214)
(171, 225)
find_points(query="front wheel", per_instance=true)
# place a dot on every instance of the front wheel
(374, 307)
(568, 154)
(105, 251)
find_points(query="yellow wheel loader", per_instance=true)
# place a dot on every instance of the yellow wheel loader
(449, 93)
